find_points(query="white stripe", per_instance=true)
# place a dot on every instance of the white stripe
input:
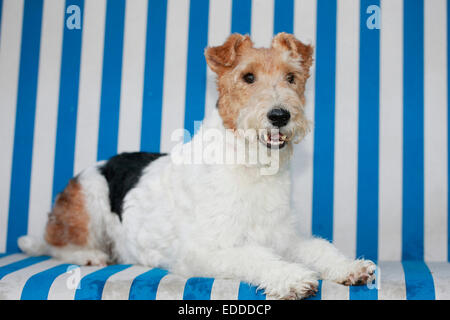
(117, 287)
(174, 71)
(302, 166)
(334, 291)
(171, 287)
(219, 28)
(435, 130)
(46, 116)
(10, 40)
(11, 259)
(15, 281)
(133, 66)
(305, 21)
(90, 84)
(225, 289)
(441, 277)
(391, 131)
(62, 287)
(262, 22)
(346, 131)
(391, 281)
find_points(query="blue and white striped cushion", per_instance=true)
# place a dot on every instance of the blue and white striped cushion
(42, 278)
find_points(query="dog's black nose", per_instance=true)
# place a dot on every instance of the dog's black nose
(279, 117)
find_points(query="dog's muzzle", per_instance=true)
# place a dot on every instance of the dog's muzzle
(278, 117)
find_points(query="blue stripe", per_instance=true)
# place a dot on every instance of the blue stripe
(241, 16)
(68, 103)
(283, 16)
(448, 129)
(1, 8)
(323, 176)
(249, 292)
(198, 289)
(91, 286)
(418, 280)
(196, 65)
(111, 80)
(413, 162)
(145, 286)
(15, 266)
(38, 286)
(363, 293)
(153, 76)
(24, 125)
(369, 87)
(318, 295)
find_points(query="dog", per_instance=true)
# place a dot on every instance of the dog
(210, 219)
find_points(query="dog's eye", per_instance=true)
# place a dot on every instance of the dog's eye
(249, 77)
(290, 77)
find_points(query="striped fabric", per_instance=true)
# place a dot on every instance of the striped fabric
(42, 278)
(81, 80)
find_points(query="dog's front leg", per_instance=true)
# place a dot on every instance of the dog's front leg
(258, 266)
(324, 257)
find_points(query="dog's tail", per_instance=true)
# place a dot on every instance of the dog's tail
(33, 246)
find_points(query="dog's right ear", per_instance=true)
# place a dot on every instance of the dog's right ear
(224, 57)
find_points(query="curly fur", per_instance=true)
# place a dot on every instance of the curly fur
(225, 220)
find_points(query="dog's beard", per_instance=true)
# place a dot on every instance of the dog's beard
(272, 137)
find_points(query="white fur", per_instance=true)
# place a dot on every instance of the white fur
(215, 220)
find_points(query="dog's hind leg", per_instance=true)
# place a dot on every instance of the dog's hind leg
(34, 246)
(80, 255)
(68, 234)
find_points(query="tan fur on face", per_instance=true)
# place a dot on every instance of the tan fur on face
(68, 221)
(237, 56)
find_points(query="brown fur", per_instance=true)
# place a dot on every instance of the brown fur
(69, 219)
(223, 57)
(237, 56)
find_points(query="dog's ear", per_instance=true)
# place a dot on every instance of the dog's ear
(224, 57)
(298, 50)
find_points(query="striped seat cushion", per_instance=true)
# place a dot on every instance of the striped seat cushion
(42, 278)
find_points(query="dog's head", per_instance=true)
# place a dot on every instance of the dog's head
(262, 89)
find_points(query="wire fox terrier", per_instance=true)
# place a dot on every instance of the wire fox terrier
(228, 219)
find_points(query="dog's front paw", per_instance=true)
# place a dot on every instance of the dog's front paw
(359, 272)
(294, 287)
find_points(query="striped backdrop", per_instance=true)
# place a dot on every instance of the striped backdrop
(372, 176)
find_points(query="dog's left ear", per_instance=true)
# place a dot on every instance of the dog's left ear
(298, 50)
(225, 57)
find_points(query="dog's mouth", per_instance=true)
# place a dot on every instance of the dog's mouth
(273, 140)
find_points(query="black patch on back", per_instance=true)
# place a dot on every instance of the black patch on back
(122, 172)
